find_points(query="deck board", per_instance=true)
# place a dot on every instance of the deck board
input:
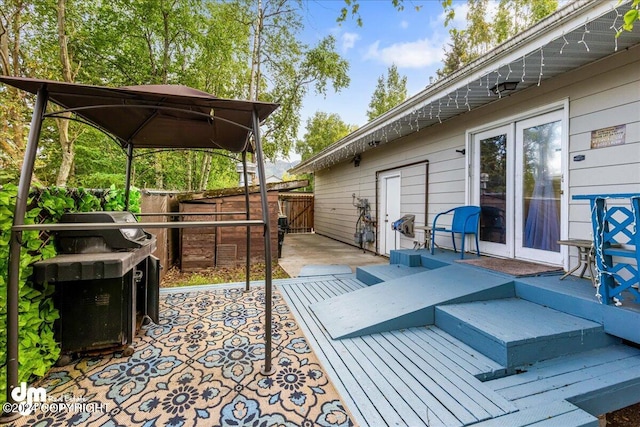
(574, 378)
(347, 384)
(553, 414)
(463, 387)
(388, 379)
(464, 356)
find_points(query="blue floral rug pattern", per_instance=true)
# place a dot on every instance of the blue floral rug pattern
(201, 367)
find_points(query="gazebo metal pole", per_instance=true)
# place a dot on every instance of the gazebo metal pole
(127, 184)
(248, 217)
(16, 238)
(267, 368)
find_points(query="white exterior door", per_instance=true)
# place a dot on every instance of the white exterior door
(538, 207)
(493, 192)
(516, 177)
(389, 211)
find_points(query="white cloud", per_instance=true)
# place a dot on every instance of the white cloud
(416, 54)
(349, 40)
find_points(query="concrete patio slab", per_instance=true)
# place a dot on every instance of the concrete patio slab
(300, 250)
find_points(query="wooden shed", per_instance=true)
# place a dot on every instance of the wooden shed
(207, 248)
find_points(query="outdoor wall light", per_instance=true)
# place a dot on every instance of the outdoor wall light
(356, 160)
(374, 143)
(504, 87)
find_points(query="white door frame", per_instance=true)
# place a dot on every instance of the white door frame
(521, 251)
(472, 195)
(502, 250)
(384, 220)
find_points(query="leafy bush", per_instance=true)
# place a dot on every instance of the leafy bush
(38, 349)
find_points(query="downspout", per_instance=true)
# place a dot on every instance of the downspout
(267, 368)
(127, 184)
(378, 218)
(426, 194)
(12, 363)
(248, 217)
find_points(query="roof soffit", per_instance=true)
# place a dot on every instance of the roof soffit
(581, 33)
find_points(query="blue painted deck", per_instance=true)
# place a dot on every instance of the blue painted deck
(418, 376)
(407, 301)
(515, 332)
(374, 274)
(323, 270)
(568, 368)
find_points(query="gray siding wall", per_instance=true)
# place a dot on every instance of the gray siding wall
(600, 95)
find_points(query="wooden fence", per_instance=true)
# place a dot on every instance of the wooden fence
(298, 207)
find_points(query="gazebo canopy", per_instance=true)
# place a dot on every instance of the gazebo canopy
(156, 116)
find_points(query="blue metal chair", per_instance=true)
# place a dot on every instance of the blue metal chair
(466, 220)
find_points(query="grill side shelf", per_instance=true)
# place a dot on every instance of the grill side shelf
(71, 267)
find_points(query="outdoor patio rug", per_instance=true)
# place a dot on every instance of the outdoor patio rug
(199, 366)
(512, 267)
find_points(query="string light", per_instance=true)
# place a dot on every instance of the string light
(586, 31)
(615, 28)
(498, 81)
(524, 67)
(439, 110)
(541, 64)
(456, 99)
(565, 43)
(466, 98)
(488, 89)
(509, 73)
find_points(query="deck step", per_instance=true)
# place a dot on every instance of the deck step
(324, 270)
(516, 332)
(374, 274)
(407, 301)
(408, 257)
(598, 381)
(420, 257)
(554, 414)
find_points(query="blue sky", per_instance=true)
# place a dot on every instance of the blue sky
(412, 40)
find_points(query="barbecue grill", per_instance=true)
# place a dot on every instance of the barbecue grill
(106, 283)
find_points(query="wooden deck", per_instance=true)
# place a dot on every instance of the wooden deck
(416, 376)
(425, 376)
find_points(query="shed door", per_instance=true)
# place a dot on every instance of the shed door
(389, 211)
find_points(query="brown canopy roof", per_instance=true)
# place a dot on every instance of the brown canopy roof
(156, 116)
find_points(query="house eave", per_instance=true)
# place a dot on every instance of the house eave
(578, 34)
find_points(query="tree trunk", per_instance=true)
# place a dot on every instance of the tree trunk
(255, 54)
(12, 142)
(190, 160)
(157, 163)
(206, 171)
(66, 143)
(255, 64)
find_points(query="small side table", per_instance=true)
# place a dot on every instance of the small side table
(586, 257)
(427, 236)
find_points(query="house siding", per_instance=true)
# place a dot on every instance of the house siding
(600, 95)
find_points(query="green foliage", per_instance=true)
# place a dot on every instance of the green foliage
(388, 93)
(38, 349)
(630, 17)
(206, 45)
(352, 7)
(114, 200)
(322, 130)
(483, 31)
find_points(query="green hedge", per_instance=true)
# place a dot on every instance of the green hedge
(38, 350)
